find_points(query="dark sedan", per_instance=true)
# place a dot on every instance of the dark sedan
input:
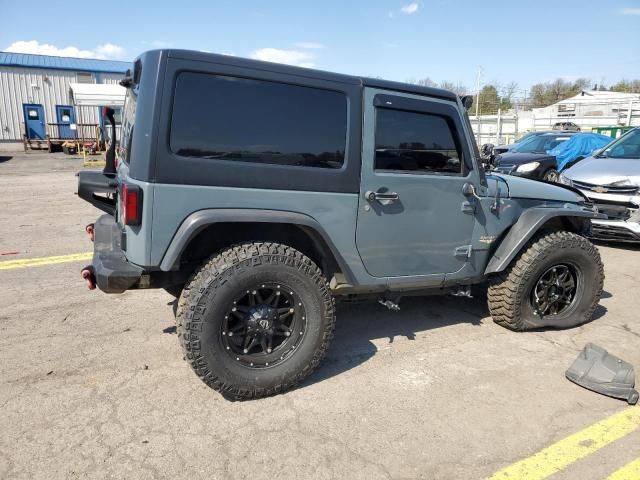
(530, 159)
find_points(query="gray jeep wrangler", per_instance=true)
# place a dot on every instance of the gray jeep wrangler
(258, 192)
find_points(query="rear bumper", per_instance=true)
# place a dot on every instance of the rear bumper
(113, 273)
(111, 270)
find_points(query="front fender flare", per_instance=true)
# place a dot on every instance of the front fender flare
(197, 221)
(526, 227)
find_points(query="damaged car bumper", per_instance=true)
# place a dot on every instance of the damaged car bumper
(623, 216)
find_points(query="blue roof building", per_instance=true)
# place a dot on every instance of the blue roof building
(35, 95)
(62, 63)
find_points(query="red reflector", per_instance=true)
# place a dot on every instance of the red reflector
(131, 205)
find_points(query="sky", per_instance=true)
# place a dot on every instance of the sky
(523, 41)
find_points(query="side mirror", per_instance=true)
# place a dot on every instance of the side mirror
(467, 101)
(487, 150)
(596, 152)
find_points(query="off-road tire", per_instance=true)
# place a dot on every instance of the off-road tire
(510, 291)
(201, 309)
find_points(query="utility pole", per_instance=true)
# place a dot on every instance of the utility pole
(478, 92)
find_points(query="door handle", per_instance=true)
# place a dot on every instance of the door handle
(384, 198)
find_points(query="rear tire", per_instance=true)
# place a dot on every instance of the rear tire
(255, 320)
(556, 281)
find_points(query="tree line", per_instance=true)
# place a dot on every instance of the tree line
(494, 96)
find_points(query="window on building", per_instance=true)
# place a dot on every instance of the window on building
(84, 77)
(240, 119)
(416, 142)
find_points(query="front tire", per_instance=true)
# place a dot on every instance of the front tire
(556, 281)
(255, 319)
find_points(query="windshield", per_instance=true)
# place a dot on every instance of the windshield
(540, 143)
(627, 146)
(526, 136)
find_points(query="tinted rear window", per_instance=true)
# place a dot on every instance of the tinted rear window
(239, 119)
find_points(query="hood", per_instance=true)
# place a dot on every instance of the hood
(519, 187)
(605, 171)
(514, 158)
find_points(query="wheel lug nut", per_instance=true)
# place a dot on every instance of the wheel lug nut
(246, 351)
(286, 334)
(291, 310)
(268, 350)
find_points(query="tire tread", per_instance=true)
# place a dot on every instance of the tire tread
(214, 272)
(507, 288)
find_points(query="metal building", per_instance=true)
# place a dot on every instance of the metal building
(35, 97)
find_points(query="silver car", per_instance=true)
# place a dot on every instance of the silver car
(611, 179)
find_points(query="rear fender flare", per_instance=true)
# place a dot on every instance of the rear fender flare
(198, 221)
(530, 222)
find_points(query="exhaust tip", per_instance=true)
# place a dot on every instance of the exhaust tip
(89, 277)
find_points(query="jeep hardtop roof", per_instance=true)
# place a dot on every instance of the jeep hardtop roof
(307, 72)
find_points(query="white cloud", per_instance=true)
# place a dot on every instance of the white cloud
(629, 11)
(109, 50)
(411, 8)
(290, 57)
(309, 45)
(105, 51)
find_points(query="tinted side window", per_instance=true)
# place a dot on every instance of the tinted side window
(416, 142)
(239, 119)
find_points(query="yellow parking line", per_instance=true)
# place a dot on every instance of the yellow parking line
(571, 449)
(631, 471)
(36, 262)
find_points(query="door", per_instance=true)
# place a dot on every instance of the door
(66, 115)
(413, 218)
(34, 121)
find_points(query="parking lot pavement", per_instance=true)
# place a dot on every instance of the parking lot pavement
(94, 386)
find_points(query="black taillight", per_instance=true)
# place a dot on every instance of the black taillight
(131, 200)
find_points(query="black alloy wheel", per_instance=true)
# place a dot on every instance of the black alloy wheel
(264, 325)
(555, 290)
